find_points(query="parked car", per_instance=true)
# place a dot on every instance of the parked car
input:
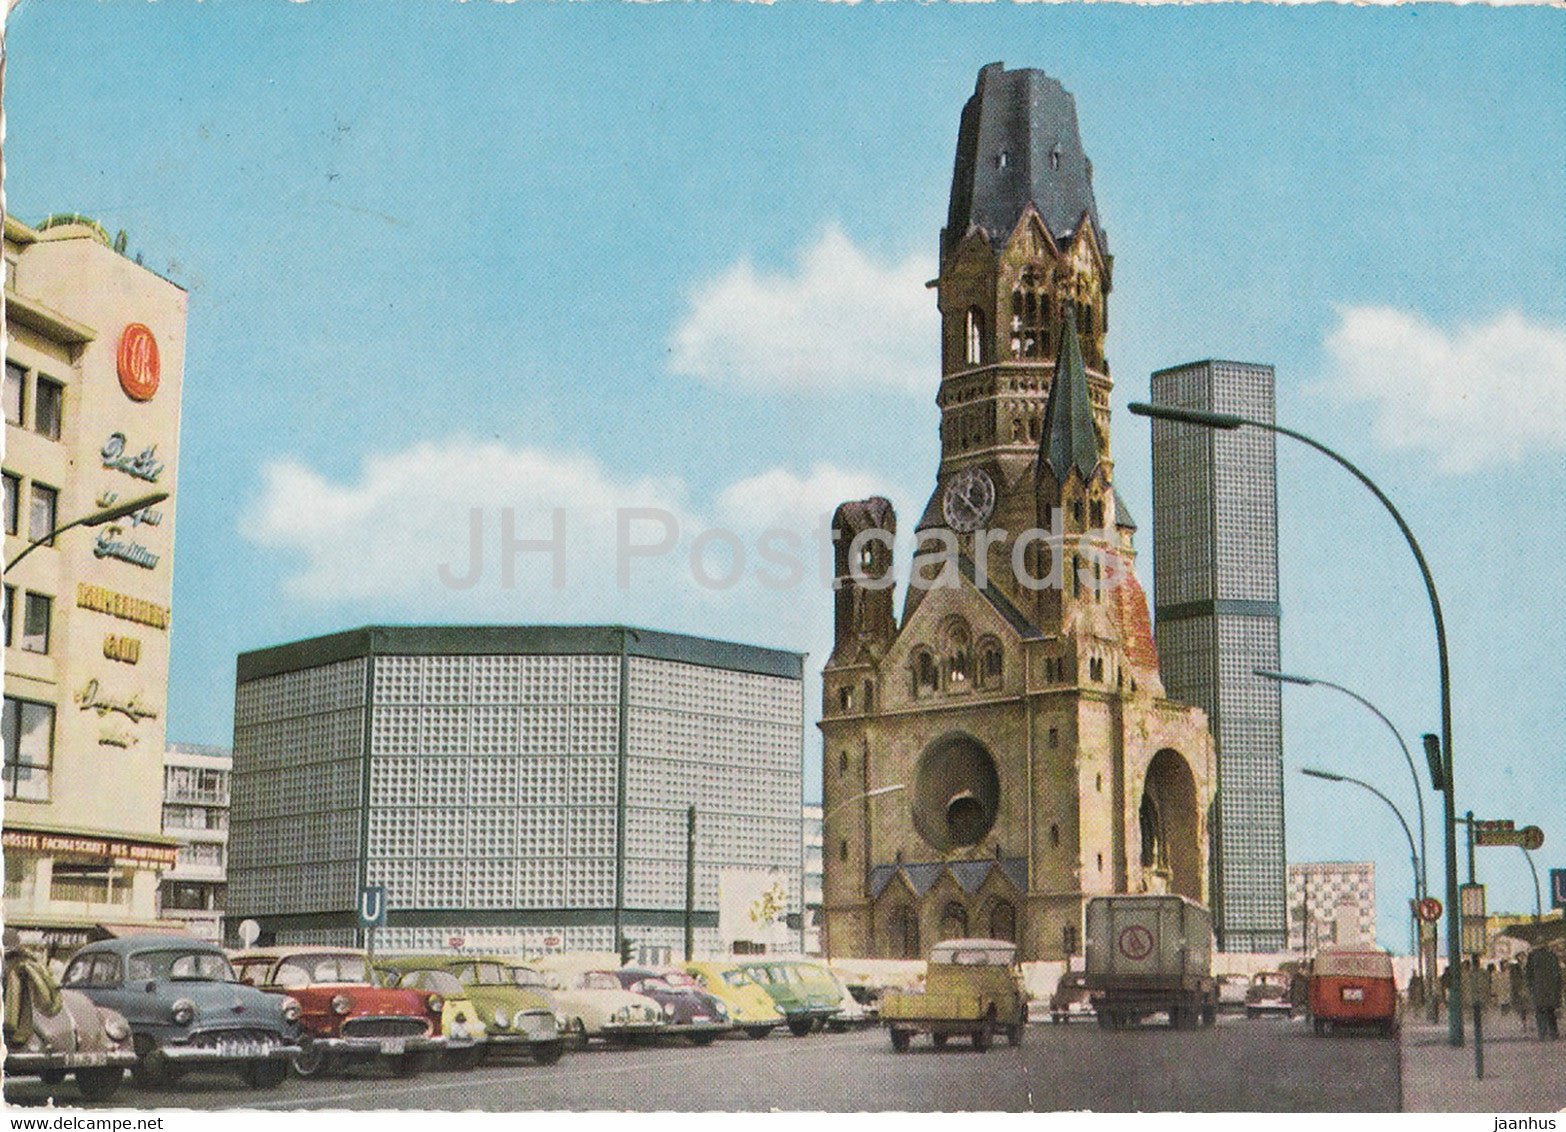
(467, 1039)
(751, 1008)
(50, 1032)
(513, 1002)
(851, 1014)
(1232, 990)
(806, 1001)
(1072, 1001)
(688, 1011)
(187, 1010)
(345, 1016)
(1268, 994)
(597, 1006)
(972, 988)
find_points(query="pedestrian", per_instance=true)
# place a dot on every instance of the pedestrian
(1521, 1002)
(1501, 987)
(1544, 987)
(1443, 989)
(1416, 993)
(1492, 1000)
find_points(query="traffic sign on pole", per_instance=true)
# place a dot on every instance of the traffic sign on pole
(372, 906)
(1429, 909)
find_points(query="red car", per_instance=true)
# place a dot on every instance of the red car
(345, 1016)
(1352, 987)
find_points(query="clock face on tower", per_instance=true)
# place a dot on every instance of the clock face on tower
(969, 499)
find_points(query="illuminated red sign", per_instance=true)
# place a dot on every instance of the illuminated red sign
(138, 362)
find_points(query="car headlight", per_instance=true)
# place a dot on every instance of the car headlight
(562, 1023)
(184, 1011)
(341, 1004)
(668, 1010)
(436, 1002)
(290, 1009)
(114, 1026)
(723, 1011)
(501, 1019)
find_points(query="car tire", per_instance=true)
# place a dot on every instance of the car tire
(758, 1032)
(939, 1040)
(99, 1084)
(703, 1039)
(901, 1039)
(799, 1027)
(310, 1061)
(549, 1052)
(152, 1067)
(408, 1064)
(467, 1057)
(264, 1074)
(52, 1077)
(1014, 1035)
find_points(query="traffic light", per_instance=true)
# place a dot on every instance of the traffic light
(625, 952)
(1437, 768)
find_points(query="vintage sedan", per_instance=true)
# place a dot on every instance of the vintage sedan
(50, 1032)
(688, 1011)
(807, 1001)
(751, 1008)
(467, 1038)
(1269, 993)
(345, 1016)
(1071, 1000)
(513, 1002)
(187, 1010)
(595, 1005)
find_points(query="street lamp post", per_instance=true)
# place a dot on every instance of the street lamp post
(95, 519)
(1413, 854)
(827, 816)
(1229, 421)
(1422, 882)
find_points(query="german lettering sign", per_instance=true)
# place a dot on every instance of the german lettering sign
(1499, 826)
(1529, 837)
(372, 906)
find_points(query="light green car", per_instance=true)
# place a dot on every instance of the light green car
(513, 1002)
(807, 993)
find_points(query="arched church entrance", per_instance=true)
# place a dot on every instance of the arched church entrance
(1171, 843)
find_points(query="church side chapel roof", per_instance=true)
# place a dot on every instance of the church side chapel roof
(1018, 145)
(1018, 620)
(969, 875)
(1069, 440)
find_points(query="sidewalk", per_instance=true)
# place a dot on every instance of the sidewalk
(1521, 1073)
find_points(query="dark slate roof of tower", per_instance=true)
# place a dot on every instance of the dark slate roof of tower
(1013, 128)
(1069, 440)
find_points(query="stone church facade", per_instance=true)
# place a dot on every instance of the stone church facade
(1004, 749)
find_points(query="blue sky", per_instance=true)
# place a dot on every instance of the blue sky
(599, 255)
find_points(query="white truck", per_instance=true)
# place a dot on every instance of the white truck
(1150, 954)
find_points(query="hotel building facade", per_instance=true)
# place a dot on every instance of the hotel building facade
(93, 363)
(513, 788)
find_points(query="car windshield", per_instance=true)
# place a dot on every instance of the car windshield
(974, 957)
(738, 978)
(306, 969)
(652, 986)
(598, 980)
(487, 975)
(527, 977)
(442, 981)
(681, 979)
(180, 966)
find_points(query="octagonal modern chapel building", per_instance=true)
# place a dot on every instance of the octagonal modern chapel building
(1004, 750)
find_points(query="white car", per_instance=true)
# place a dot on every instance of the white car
(595, 1005)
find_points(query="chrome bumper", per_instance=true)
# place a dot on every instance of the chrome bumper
(388, 1047)
(232, 1052)
(26, 1062)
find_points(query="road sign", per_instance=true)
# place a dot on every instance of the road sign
(1429, 909)
(1490, 835)
(1471, 900)
(249, 932)
(1497, 826)
(372, 906)
(1558, 888)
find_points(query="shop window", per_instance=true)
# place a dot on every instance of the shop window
(48, 397)
(13, 494)
(37, 612)
(29, 749)
(15, 399)
(87, 884)
(42, 513)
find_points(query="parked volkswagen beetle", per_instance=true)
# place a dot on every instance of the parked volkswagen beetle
(187, 1010)
(50, 1032)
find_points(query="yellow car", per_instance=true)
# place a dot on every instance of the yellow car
(751, 1008)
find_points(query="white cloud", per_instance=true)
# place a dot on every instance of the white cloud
(1480, 396)
(398, 536)
(838, 321)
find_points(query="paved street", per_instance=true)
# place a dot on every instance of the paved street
(1261, 1065)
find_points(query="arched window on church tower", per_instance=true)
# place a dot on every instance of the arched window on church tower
(992, 660)
(926, 679)
(975, 336)
(954, 921)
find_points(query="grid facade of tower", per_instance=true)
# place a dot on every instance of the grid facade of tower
(513, 796)
(1332, 902)
(1215, 568)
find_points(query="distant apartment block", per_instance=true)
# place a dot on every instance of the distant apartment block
(195, 815)
(1331, 902)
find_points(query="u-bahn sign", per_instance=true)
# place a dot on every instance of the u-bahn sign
(1491, 834)
(372, 906)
